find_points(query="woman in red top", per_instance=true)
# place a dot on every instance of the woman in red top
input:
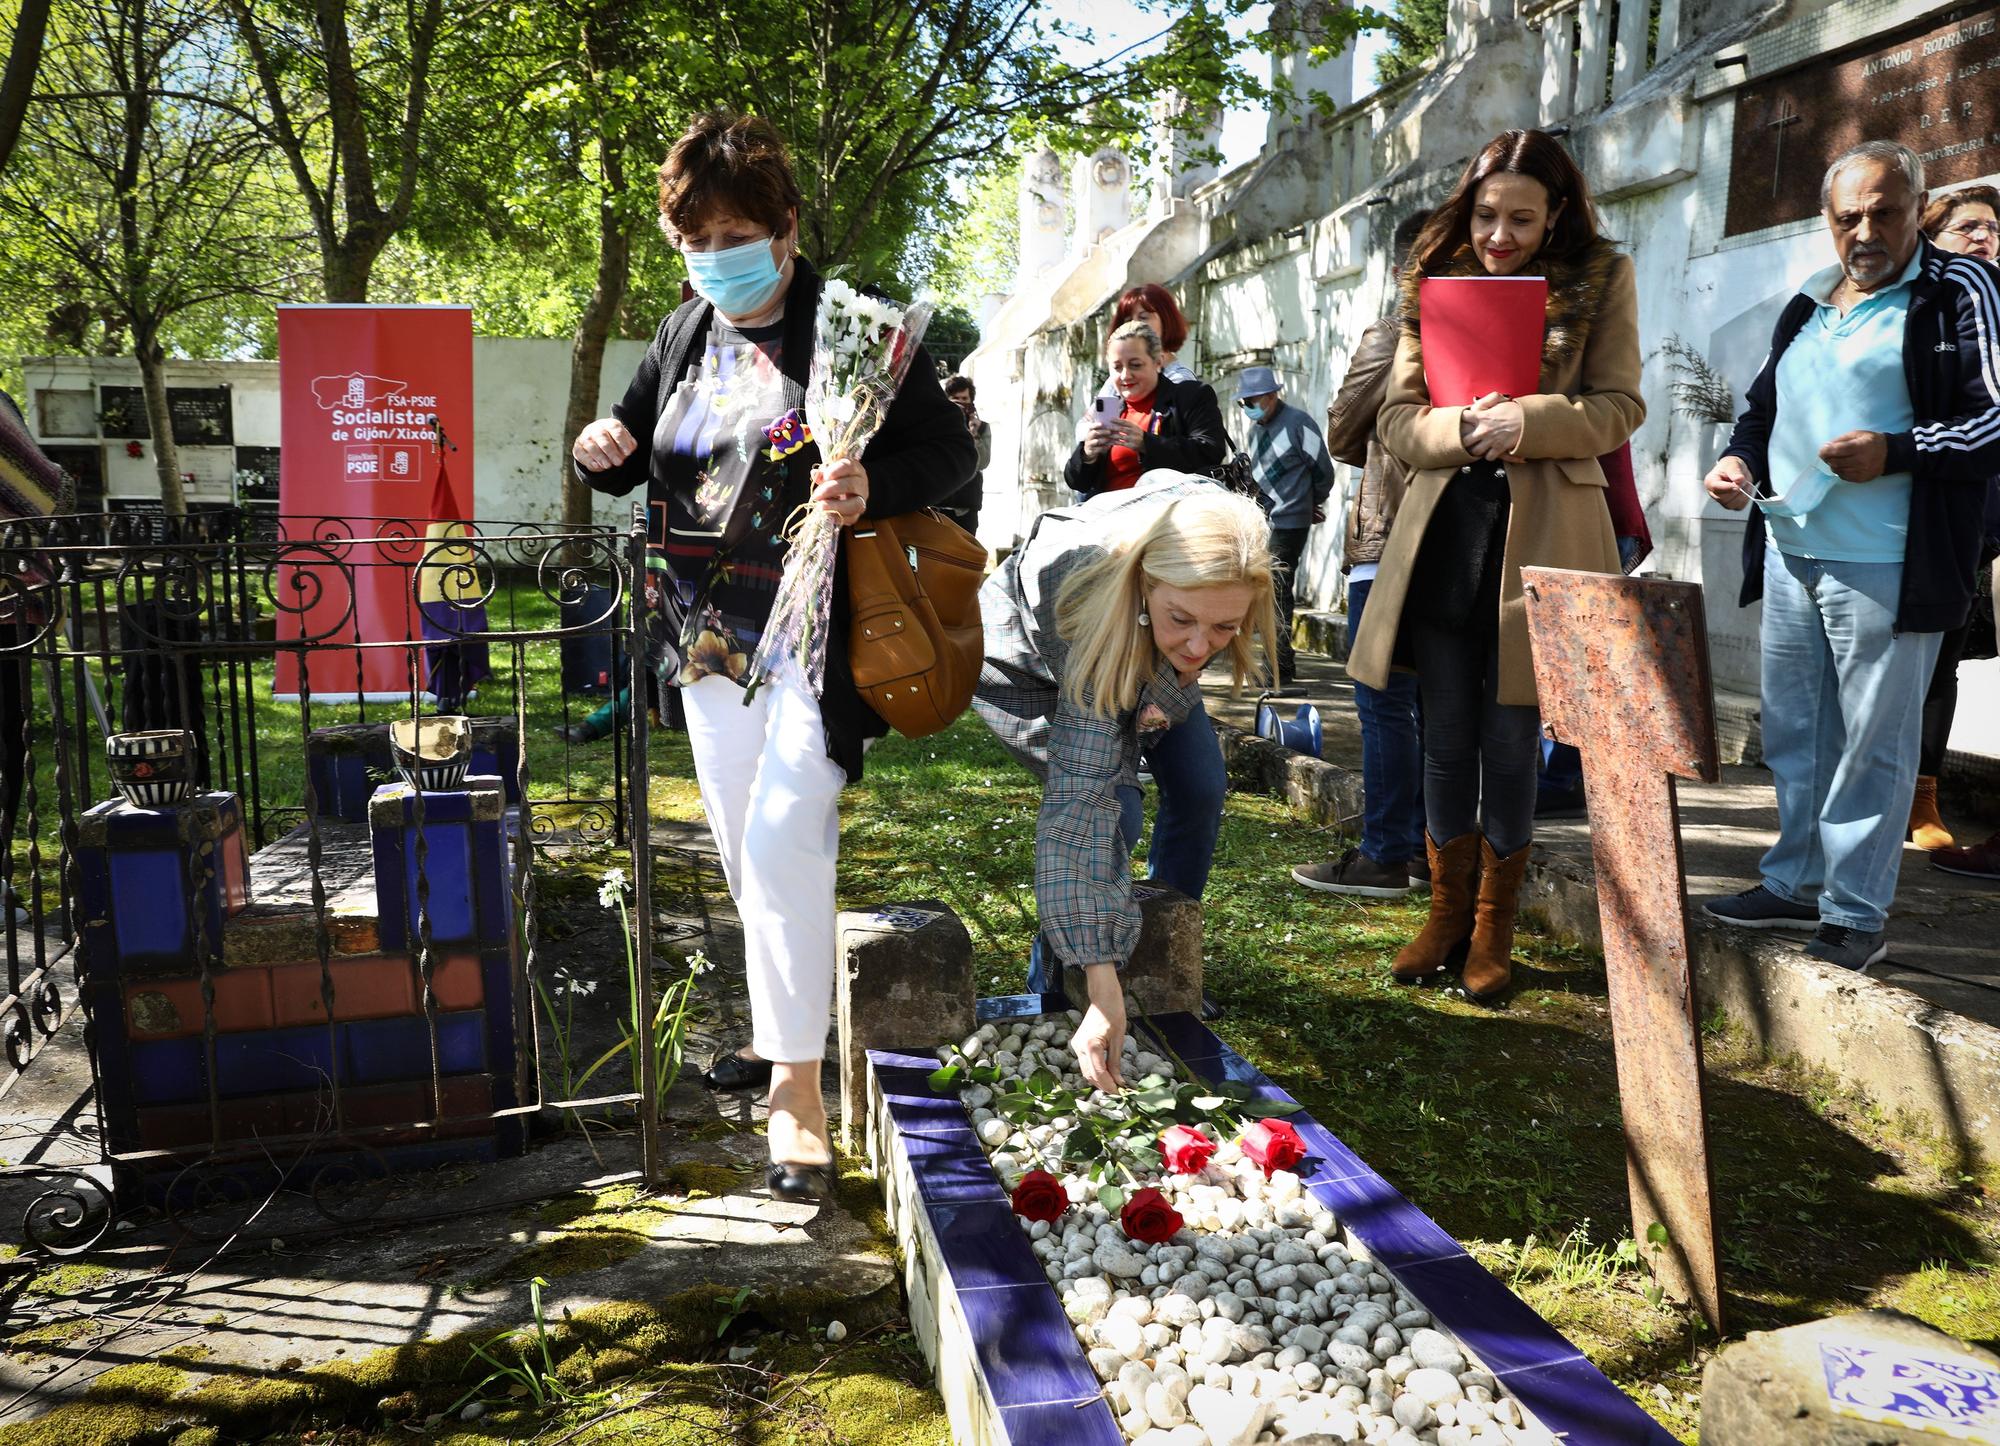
(1153, 422)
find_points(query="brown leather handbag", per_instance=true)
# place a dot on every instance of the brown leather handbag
(915, 645)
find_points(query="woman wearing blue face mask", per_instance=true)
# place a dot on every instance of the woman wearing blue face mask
(711, 425)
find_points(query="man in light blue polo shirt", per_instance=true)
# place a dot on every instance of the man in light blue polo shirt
(1863, 443)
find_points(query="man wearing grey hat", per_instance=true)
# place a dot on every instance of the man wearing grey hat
(1288, 458)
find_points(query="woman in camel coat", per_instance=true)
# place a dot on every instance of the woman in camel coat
(1504, 483)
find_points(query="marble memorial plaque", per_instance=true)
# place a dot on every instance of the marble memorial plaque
(1935, 87)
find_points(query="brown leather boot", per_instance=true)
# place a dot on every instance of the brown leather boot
(1453, 866)
(1927, 830)
(1489, 962)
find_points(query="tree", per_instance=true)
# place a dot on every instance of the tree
(1416, 33)
(885, 101)
(139, 185)
(17, 83)
(329, 112)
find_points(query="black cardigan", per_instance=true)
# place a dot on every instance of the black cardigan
(1951, 363)
(920, 457)
(1190, 438)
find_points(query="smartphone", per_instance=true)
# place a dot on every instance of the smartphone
(1104, 410)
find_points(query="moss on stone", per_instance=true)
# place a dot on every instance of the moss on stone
(1962, 1302)
(869, 1396)
(55, 1333)
(73, 1278)
(594, 1231)
(128, 1403)
(693, 1180)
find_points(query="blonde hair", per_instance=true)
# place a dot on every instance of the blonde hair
(1139, 331)
(1210, 538)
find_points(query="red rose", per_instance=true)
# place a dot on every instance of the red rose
(1274, 1144)
(1149, 1219)
(1040, 1196)
(1185, 1150)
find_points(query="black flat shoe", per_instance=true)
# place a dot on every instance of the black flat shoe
(732, 1074)
(803, 1184)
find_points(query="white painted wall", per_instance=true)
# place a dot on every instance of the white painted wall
(520, 389)
(1305, 271)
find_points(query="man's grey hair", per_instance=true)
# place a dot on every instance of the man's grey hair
(1893, 153)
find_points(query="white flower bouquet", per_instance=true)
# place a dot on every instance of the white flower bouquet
(862, 348)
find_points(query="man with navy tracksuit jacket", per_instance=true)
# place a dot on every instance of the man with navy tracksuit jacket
(1866, 446)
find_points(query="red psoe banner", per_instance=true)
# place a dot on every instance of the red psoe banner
(364, 390)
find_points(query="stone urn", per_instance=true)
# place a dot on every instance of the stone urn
(153, 769)
(432, 753)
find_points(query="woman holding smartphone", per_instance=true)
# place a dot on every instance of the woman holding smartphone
(1148, 423)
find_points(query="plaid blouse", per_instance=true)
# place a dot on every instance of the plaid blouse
(1083, 874)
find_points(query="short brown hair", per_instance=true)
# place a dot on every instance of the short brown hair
(1940, 209)
(727, 164)
(959, 382)
(1537, 155)
(1160, 301)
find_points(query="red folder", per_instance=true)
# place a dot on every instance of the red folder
(1482, 334)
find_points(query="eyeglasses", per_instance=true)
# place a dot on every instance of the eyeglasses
(1971, 229)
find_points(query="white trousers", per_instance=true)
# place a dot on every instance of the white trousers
(772, 797)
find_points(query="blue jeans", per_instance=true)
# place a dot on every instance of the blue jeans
(1392, 757)
(1843, 699)
(1186, 764)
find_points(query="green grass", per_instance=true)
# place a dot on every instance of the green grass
(1502, 1124)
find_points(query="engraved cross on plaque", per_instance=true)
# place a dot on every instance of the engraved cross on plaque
(1784, 121)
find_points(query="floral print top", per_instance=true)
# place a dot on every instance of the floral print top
(724, 433)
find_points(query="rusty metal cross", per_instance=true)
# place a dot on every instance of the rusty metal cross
(1621, 664)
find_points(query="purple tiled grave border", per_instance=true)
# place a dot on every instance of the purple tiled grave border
(1033, 1367)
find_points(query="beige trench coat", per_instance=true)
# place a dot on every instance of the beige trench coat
(1589, 404)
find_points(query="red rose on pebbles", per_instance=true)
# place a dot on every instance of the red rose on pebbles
(1273, 1144)
(1185, 1150)
(1040, 1196)
(1149, 1219)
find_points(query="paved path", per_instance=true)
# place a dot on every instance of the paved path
(1944, 933)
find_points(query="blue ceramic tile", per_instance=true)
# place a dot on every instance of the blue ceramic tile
(1326, 1157)
(497, 979)
(383, 1051)
(165, 1072)
(1575, 1401)
(951, 1168)
(148, 898)
(447, 870)
(983, 1246)
(896, 1059)
(1193, 1041)
(1025, 1347)
(341, 786)
(1396, 1232)
(1494, 1322)
(491, 894)
(916, 1117)
(264, 1061)
(1063, 1423)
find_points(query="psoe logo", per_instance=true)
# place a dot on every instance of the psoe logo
(364, 464)
(355, 389)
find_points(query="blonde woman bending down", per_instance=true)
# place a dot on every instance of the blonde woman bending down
(1097, 630)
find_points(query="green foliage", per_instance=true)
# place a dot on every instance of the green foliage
(1416, 34)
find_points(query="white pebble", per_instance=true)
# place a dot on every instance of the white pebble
(836, 1331)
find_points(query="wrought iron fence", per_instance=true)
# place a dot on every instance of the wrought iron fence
(251, 1017)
